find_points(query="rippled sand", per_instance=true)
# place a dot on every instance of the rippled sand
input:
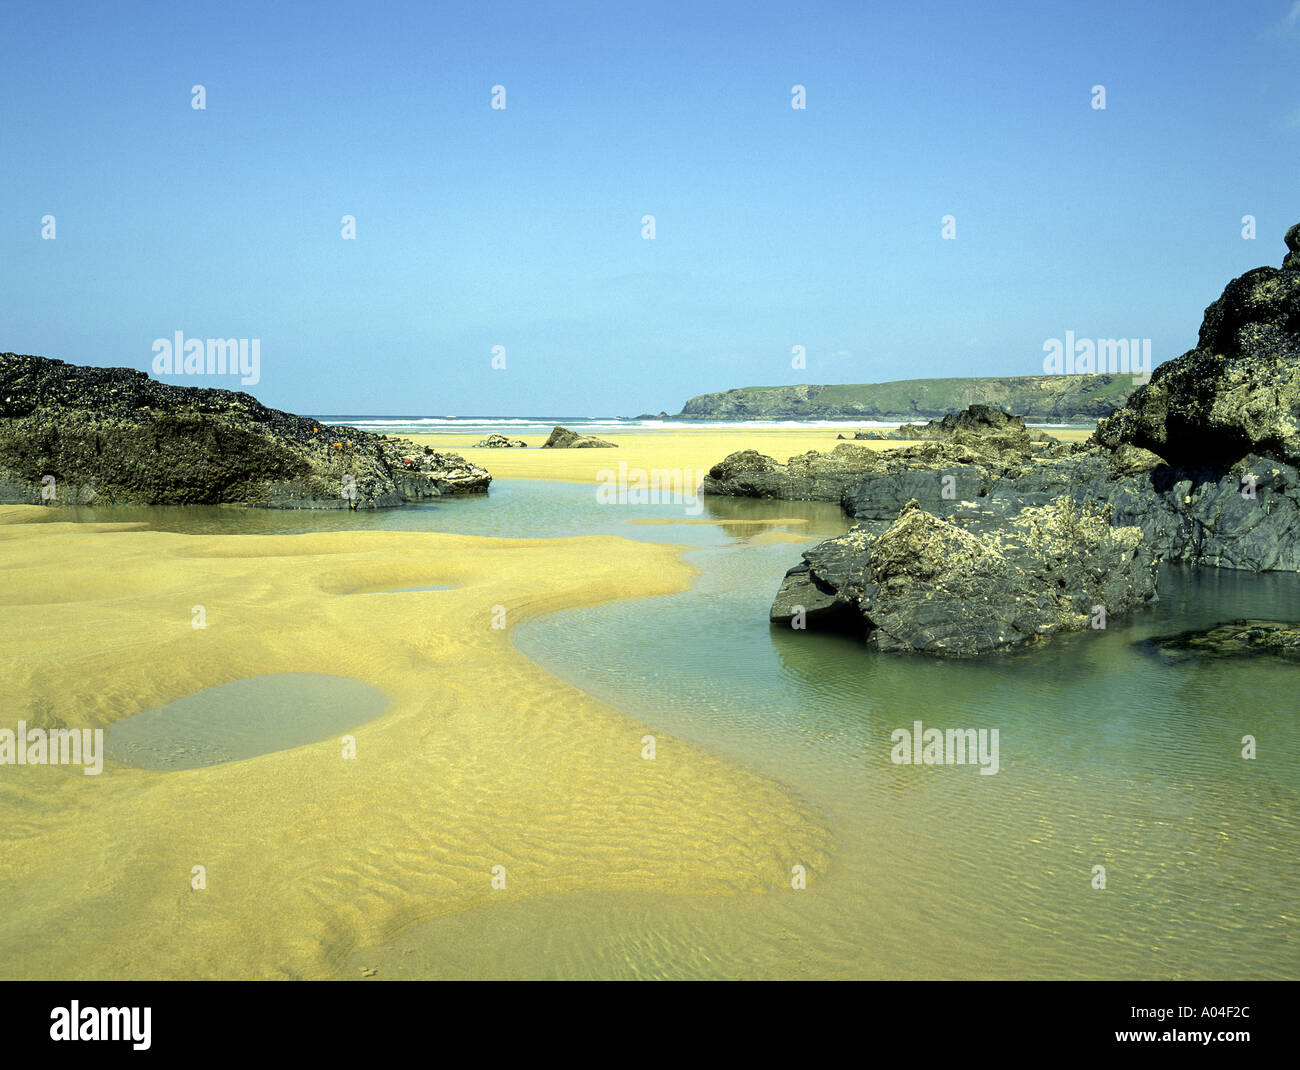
(482, 759)
(677, 448)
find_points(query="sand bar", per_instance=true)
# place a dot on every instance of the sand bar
(483, 759)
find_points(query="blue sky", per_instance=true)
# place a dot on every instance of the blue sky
(521, 227)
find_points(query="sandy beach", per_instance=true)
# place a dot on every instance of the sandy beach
(382, 866)
(676, 448)
(482, 759)
(316, 863)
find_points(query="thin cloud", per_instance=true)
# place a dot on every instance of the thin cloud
(1289, 27)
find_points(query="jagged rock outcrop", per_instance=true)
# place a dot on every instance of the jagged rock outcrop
(1238, 391)
(1202, 466)
(971, 584)
(500, 442)
(564, 439)
(116, 436)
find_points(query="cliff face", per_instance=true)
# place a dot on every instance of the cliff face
(1045, 398)
(71, 434)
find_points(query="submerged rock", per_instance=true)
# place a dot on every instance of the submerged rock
(115, 436)
(500, 442)
(564, 439)
(1235, 639)
(972, 584)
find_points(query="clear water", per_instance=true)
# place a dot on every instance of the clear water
(1108, 757)
(512, 508)
(242, 719)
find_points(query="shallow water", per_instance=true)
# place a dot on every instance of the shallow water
(1107, 757)
(512, 509)
(242, 719)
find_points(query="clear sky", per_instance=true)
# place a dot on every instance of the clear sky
(522, 227)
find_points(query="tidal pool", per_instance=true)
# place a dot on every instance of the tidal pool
(242, 719)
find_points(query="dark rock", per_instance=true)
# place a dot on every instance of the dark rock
(564, 439)
(939, 482)
(980, 421)
(967, 451)
(500, 442)
(804, 600)
(1247, 517)
(115, 436)
(1235, 639)
(1201, 467)
(1238, 391)
(974, 584)
(811, 476)
(1129, 460)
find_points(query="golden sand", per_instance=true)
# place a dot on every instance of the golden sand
(676, 448)
(481, 760)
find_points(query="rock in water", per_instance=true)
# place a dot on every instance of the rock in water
(1202, 466)
(115, 436)
(500, 442)
(974, 584)
(962, 457)
(1238, 638)
(812, 476)
(564, 439)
